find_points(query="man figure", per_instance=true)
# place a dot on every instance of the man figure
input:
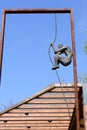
(59, 58)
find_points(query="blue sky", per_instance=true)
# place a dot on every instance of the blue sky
(26, 65)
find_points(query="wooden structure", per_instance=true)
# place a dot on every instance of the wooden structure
(51, 109)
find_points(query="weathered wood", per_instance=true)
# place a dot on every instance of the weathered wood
(46, 106)
(35, 128)
(35, 118)
(85, 116)
(65, 89)
(52, 128)
(35, 122)
(37, 114)
(62, 109)
(57, 95)
(53, 101)
(38, 125)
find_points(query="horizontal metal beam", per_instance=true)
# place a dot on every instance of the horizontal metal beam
(27, 11)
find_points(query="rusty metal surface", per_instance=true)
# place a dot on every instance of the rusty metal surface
(72, 125)
(23, 11)
(75, 71)
(27, 11)
(2, 40)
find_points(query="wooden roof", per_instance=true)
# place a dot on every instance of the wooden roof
(47, 110)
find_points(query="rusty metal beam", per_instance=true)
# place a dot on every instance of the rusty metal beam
(40, 11)
(73, 119)
(2, 40)
(23, 11)
(75, 72)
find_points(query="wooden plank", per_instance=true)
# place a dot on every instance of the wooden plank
(38, 125)
(34, 128)
(36, 114)
(35, 118)
(35, 122)
(53, 101)
(85, 116)
(57, 95)
(46, 106)
(63, 109)
(65, 89)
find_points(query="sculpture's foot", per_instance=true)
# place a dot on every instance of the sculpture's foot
(55, 67)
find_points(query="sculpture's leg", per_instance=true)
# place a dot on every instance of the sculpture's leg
(56, 65)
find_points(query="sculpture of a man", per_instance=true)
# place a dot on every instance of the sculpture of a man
(59, 57)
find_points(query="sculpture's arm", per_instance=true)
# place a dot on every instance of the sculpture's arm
(62, 49)
(55, 50)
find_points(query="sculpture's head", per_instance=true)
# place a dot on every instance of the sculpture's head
(60, 45)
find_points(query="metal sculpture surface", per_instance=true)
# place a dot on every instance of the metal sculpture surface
(59, 57)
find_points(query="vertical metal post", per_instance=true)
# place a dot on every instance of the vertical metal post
(75, 72)
(2, 40)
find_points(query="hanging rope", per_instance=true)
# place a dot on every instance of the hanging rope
(63, 92)
(53, 65)
(59, 82)
(55, 30)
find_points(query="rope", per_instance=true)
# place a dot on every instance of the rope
(53, 64)
(55, 30)
(63, 92)
(59, 81)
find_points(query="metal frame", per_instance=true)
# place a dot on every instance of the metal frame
(41, 11)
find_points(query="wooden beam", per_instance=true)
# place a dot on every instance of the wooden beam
(65, 89)
(37, 114)
(35, 122)
(45, 106)
(57, 95)
(35, 118)
(53, 101)
(34, 128)
(62, 109)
